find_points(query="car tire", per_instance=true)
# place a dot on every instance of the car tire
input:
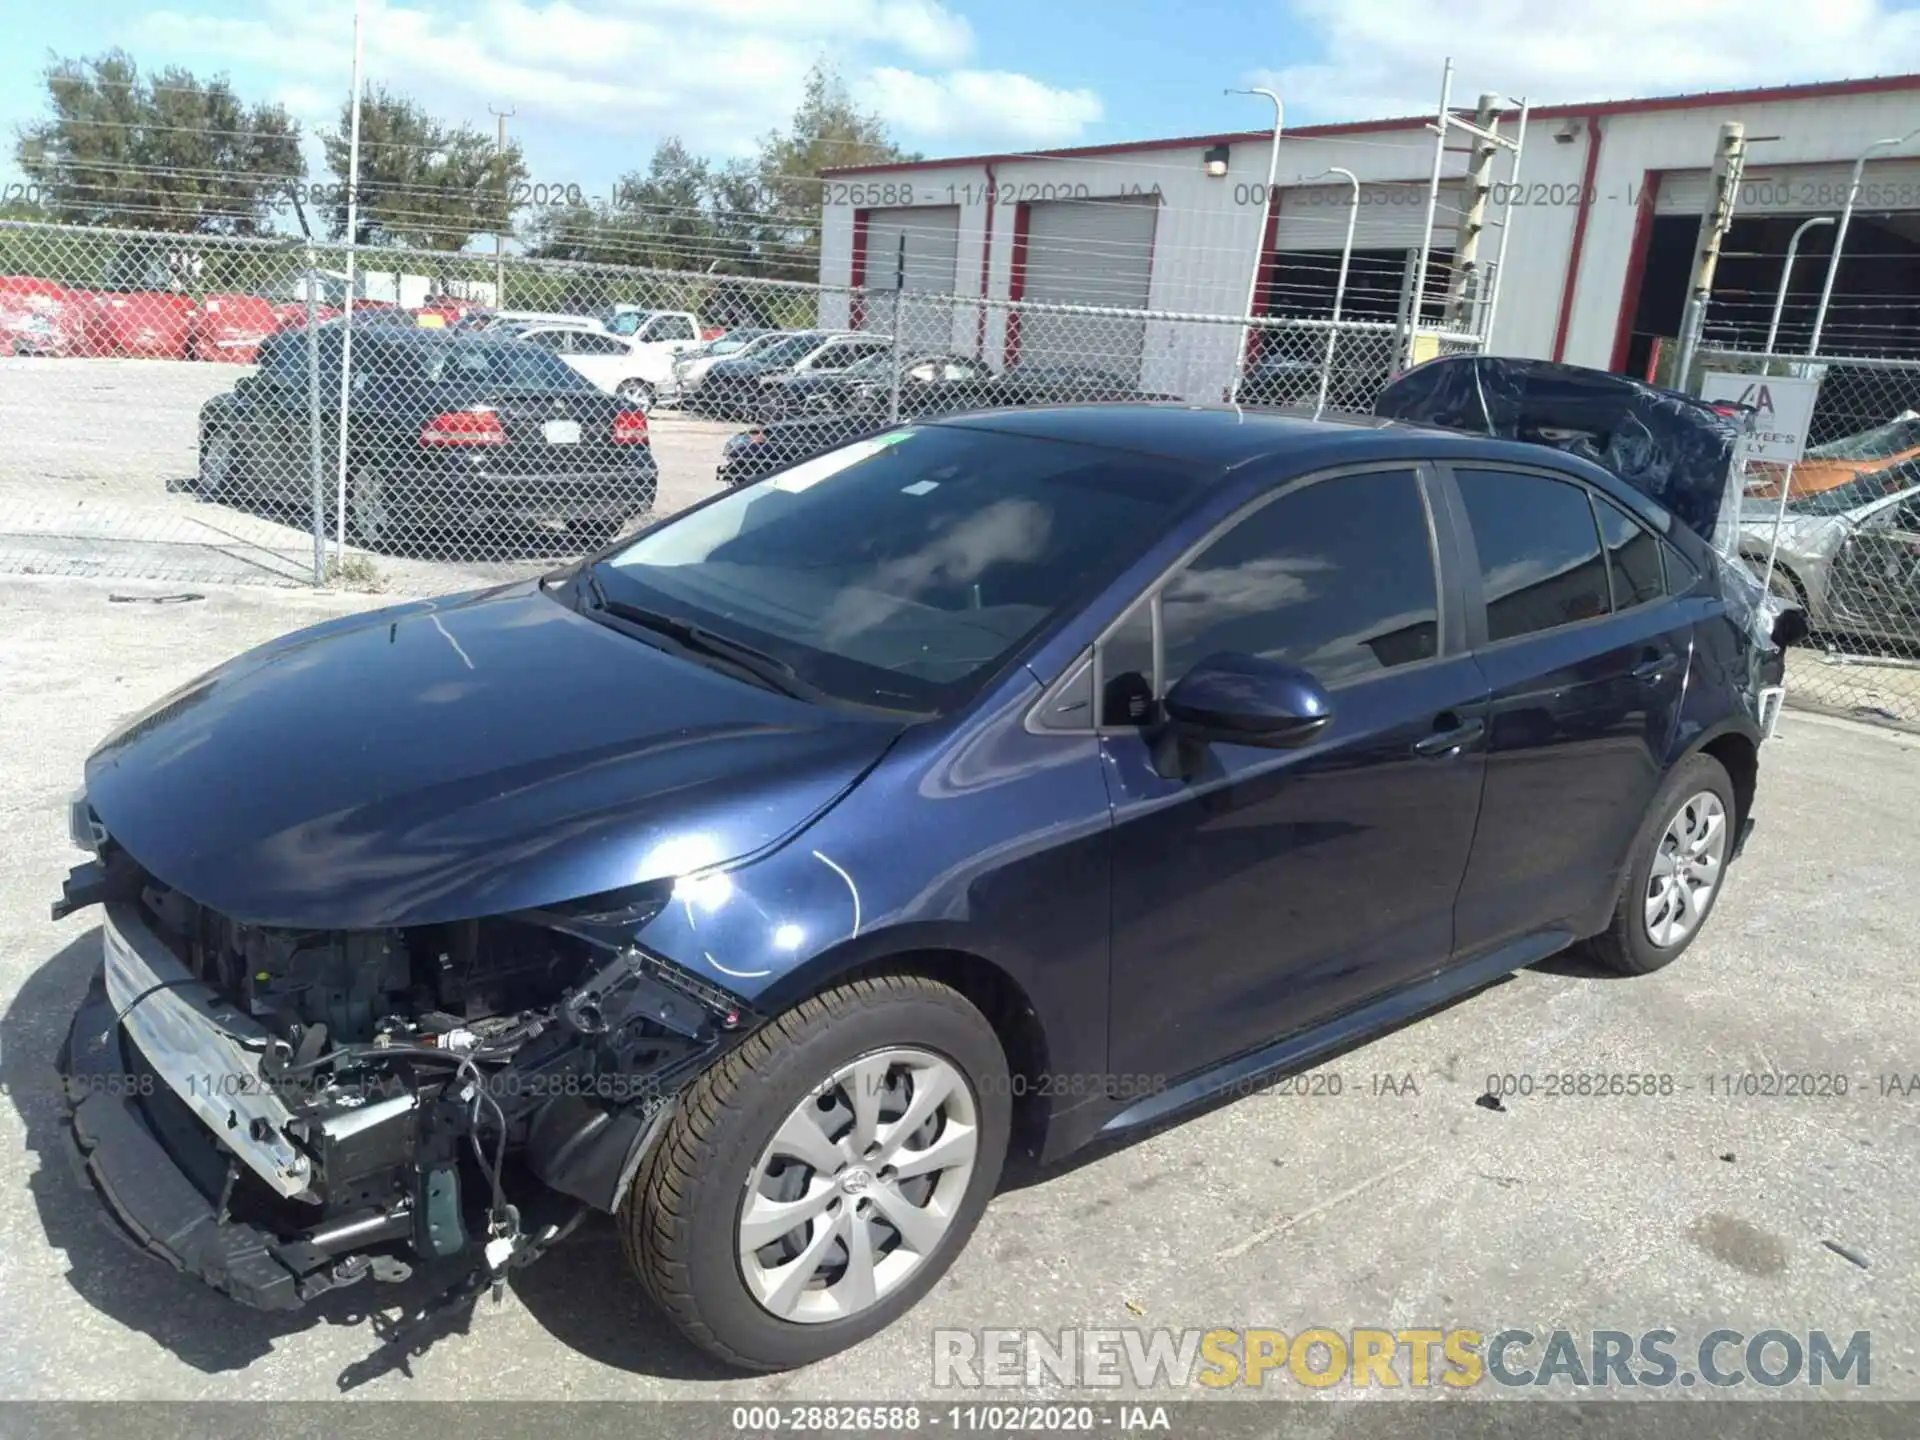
(637, 393)
(686, 1223)
(1646, 934)
(218, 464)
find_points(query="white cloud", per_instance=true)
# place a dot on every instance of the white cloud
(719, 73)
(979, 104)
(1383, 57)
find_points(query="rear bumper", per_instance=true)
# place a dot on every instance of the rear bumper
(474, 493)
(151, 1162)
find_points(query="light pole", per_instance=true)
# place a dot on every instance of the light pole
(1260, 235)
(501, 116)
(1786, 276)
(1339, 285)
(1840, 235)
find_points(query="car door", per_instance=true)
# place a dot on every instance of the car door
(1874, 583)
(275, 430)
(604, 360)
(1585, 658)
(1275, 888)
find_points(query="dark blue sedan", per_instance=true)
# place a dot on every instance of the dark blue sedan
(1012, 781)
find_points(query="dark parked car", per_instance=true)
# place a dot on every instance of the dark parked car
(929, 385)
(1016, 780)
(741, 386)
(445, 431)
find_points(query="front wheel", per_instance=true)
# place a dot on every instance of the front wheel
(818, 1180)
(1679, 863)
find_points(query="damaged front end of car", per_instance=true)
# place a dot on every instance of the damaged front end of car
(281, 1112)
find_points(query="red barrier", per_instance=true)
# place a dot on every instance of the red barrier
(228, 329)
(149, 325)
(37, 317)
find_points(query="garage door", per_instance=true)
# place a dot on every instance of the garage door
(1088, 252)
(1314, 217)
(1796, 189)
(930, 235)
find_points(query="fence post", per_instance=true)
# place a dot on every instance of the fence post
(314, 447)
(893, 363)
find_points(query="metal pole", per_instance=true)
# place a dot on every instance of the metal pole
(893, 366)
(314, 447)
(1433, 201)
(499, 155)
(1506, 228)
(1473, 218)
(1260, 236)
(1729, 160)
(1786, 275)
(1840, 235)
(1339, 285)
(346, 308)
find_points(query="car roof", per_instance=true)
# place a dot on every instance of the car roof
(1227, 438)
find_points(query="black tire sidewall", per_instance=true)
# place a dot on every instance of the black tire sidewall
(1693, 775)
(955, 1031)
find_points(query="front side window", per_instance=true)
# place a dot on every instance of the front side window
(1540, 564)
(1336, 577)
(904, 570)
(671, 327)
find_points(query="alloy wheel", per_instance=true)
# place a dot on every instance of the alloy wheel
(858, 1186)
(1687, 868)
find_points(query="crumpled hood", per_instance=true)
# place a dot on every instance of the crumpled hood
(462, 757)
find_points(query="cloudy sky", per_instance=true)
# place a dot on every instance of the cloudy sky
(596, 82)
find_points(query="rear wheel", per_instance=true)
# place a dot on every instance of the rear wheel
(219, 461)
(818, 1180)
(637, 393)
(1679, 864)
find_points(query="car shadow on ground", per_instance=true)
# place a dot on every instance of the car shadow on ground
(580, 1292)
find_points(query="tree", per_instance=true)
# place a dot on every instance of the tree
(164, 152)
(828, 131)
(422, 182)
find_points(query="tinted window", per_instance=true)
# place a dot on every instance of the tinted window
(1540, 560)
(904, 569)
(1633, 556)
(475, 363)
(588, 344)
(1336, 578)
(284, 362)
(1126, 671)
(671, 327)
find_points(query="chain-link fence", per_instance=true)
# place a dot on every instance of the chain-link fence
(1839, 531)
(192, 407)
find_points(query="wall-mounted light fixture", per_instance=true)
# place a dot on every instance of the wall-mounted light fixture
(1214, 162)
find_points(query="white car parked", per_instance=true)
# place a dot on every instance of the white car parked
(658, 337)
(493, 320)
(613, 363)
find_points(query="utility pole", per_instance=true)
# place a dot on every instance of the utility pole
(1729, 161)
(1461, 285)
(499, 157)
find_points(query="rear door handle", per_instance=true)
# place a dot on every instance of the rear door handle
(1447, 742)
(1655, 667)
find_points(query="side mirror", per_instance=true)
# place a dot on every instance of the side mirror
(1240, 700)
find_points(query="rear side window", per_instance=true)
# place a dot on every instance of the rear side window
(1633, 556)
(1540, 563)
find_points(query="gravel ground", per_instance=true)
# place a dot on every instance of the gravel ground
(1401, 1201)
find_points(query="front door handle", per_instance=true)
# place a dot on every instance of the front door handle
(1451, 740)
(1656, 667)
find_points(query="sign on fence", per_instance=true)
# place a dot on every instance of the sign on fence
(1782, 410)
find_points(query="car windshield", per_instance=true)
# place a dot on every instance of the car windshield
(1863, 489)
(1896, 437)
(790, 350)
(904, 570)
(626, 322)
